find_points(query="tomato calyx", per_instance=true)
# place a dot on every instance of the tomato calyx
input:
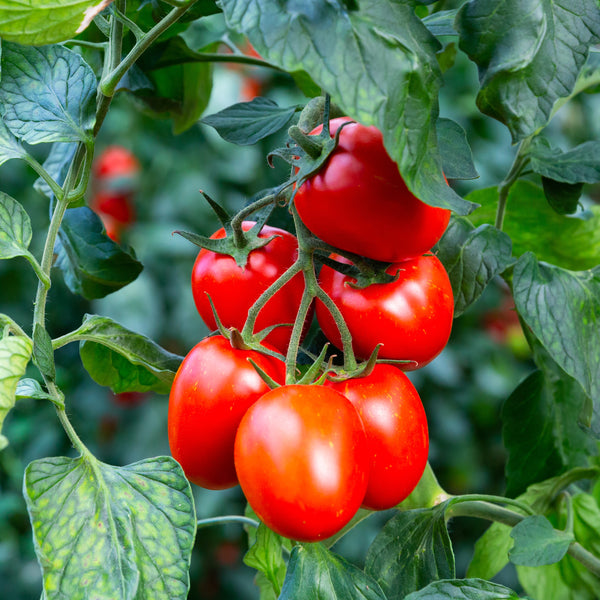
(309, 153)
(237, 243)
(364, 271)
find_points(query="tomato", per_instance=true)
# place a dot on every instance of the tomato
(119, 206)
(359, 202)
(397, 434)
(411, 317)
(302, 461)
(115, 161)
(213, 387)
(233, 289)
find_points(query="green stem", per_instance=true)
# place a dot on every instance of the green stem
(110, 81)
(64, 420)
(227, 519)
(296, 337)
(306, 246)
(490, 512)
(111, 61)
(44, 279)
(240, 217)
(514, 173)
(39, 313)
(118, 13)
(494, 499)
(39, 169)
(248, 328)
(13, 326)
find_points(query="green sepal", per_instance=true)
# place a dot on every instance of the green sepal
(310, 376)
(237, 243)
(365, 271)
(310, 152)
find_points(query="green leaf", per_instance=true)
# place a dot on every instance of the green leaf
(45, 21)
(463, 589)
(47, 94)
(111, 532)
(9, 145)
(15, 353)
(182, 87)
(441, 23)
(122, 359)
(247, 122)
(327, 576)
(30, 388)
(562, 308)
(562, 197)
(472, 257)
(540, 428)
(412, 550)
(15, 228)
(528, 53)
(568, 242)
(537, 543)
(457, 159)
(265, 556)
(491, 549)
(43, 354)
(379, 65)
(92, 264)
(569, 579)
(578, 165)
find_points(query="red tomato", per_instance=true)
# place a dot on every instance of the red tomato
(302, 460)
(233, 290)
(359, 202)
(115, 161)
(397, 435)
(119, 206)
(411, 317)
(213, 388)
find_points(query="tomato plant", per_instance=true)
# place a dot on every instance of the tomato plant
(359, 202)
(234, 289)
(396, 428)
(302, 462)
(411, 317)
(213, 388)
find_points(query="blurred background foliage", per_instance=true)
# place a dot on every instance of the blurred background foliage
(462, 390)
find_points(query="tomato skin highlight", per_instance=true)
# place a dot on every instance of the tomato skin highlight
(359, 202)
(302, 461)
(233, 289)
(411, 317)
(397, 434)
(213, 387)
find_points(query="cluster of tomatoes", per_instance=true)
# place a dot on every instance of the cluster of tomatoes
(308, 454)
(115, 173)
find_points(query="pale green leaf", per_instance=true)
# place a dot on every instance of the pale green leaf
(15, 353)
(107, 532)
(38, 22)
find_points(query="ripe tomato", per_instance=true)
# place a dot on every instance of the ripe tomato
(233, 289)
(115, 161)
(359, 202)
(397, 434)
(119, 206)
(302, 460)
(214, 386)
(411, 317)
